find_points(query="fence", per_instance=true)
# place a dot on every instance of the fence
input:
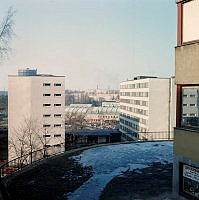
(148, 136)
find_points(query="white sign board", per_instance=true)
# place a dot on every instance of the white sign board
(190, 21)
(191, 173)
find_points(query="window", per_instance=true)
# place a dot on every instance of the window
(46, 125)
(57, 145)
(57, 115)
(57, 84)
(46, 84)
(57, 104)
(189, 114)
(57, 125)
(57, 135)
(46, 95)
(57, 95)
(46, 135)
(46, 115)
(46, 105)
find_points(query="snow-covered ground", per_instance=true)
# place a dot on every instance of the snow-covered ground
(110, 161)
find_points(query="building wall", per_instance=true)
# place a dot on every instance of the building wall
(135, 115)
(38, 100)
(159, 105)
(26, 99)
(186, 64)
(189, 148)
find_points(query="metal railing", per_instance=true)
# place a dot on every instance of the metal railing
(19, 163)
(148, 136)
(35, 156)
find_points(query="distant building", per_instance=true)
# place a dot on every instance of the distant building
(95, 136)
(78, 105)
(37, 98)
(106, 117)
(147, 105)
(110, 103)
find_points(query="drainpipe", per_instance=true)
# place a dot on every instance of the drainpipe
(169, 109)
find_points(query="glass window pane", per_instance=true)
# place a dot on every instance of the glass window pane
(190, 106)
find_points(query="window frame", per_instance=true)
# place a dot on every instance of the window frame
(179, 106)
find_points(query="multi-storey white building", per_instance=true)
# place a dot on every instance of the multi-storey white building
(147, 108)
(36, 100)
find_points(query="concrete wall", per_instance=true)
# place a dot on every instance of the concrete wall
(186, 64)
(186, 143)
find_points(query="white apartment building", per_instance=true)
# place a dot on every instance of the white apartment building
(147, 108)
(37, 98)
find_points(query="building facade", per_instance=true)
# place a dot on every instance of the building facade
(146, 104)
(186, 133)
(36, 104)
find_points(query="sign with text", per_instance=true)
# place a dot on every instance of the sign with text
(191, 173)
(191, 180)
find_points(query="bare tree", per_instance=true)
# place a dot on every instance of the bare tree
(25, 141)
(73, 123)
(6, 32)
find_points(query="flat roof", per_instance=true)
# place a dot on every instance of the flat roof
(38, 75)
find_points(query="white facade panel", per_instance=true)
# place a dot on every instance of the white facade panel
(191, 21)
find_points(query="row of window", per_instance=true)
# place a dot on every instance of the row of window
(136, 127)
(134, 110)
(49, 84)
(189, 115)
(48, 95)
(135, 94)
(48, 135)
(135, 119)
(135, 102)
(192, 104)
(48, 125)
(189, 119)
(55, 145)
(189, 95)
(133, 86)
(48, 105)
(127, 130)
(55, 115)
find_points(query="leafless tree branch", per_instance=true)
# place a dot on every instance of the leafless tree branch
(6, 32)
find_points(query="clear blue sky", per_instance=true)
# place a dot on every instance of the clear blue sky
(92, 41)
